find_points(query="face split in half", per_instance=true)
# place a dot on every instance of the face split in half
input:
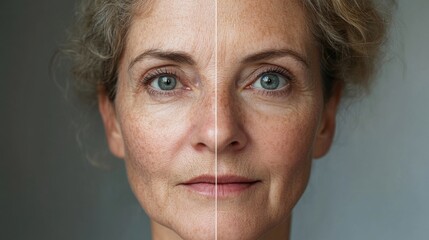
(245, 100)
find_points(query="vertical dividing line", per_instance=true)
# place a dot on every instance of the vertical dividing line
(215, 109)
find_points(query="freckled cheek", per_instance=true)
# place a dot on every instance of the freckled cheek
(288, 144)
(149, 162)
(150, 147)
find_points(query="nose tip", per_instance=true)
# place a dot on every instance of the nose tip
(221, 137)
(230, 137)
(219, 131)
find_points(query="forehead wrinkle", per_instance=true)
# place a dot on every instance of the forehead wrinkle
(166, 29)
(204, 50)
(264, 15)
(285, 27)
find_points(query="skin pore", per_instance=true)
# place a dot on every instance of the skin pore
(255, 87)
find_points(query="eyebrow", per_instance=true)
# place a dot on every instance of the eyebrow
(275, 53)
(175, 56)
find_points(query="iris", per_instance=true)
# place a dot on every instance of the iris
(270, 81)
(165, 83)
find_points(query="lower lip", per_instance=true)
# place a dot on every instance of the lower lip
(223, 189)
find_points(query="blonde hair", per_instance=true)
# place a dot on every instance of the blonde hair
(350, 34)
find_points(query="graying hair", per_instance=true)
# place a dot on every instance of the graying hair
(97, 43)
(350, 34)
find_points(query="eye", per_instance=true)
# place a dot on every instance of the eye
(270, 81)
(165, 83)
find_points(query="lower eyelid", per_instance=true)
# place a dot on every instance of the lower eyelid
(155, 92)
(284, 91)
(180, 90)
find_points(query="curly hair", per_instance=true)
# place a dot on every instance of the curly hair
(350, 34)
(97, 42)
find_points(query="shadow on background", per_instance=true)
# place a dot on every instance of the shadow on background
(48, 187)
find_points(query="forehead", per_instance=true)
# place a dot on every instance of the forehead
(175, 25)
(243, 26)
(268, 14)
(262, 24)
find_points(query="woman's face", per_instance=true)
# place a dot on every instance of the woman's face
(231, 92)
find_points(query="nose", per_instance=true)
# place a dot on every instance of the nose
(219, 126)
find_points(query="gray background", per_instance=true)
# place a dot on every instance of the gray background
(372, 185)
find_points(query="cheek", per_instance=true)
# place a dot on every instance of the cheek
(154, 134)
(151, 156)
(287, 144)
(145, 143)
(293, 141)
(291, 159)
(288, 136)
(284, 145)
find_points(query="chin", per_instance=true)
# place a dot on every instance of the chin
(192, 225)
(198, 232)
(243, 226)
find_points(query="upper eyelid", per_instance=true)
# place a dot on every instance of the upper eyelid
(248, 73)
(150, 75)
(257, 73)
(145, 82)
(277, 70)
(288, 81)
(154, 72)
(186, 80)
(140, 81)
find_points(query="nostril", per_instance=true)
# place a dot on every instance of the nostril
(235, 143)
(200, 146)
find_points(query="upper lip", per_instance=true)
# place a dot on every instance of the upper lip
(221, 179)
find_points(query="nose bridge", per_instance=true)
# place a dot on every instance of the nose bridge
(203, 121)
(218, 125)
(224, 112)
(229, 126)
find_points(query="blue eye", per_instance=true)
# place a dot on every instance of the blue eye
(165, 83)
(270, 81)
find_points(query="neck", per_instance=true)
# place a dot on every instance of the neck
(280, 232)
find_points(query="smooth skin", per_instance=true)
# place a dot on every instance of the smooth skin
(261, 74)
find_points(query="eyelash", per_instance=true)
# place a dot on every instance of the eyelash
(278, 70)
(157, 73)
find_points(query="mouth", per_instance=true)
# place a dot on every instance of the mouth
(221, 187)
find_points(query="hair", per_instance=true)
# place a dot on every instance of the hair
(350, 34)
(97, 42)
